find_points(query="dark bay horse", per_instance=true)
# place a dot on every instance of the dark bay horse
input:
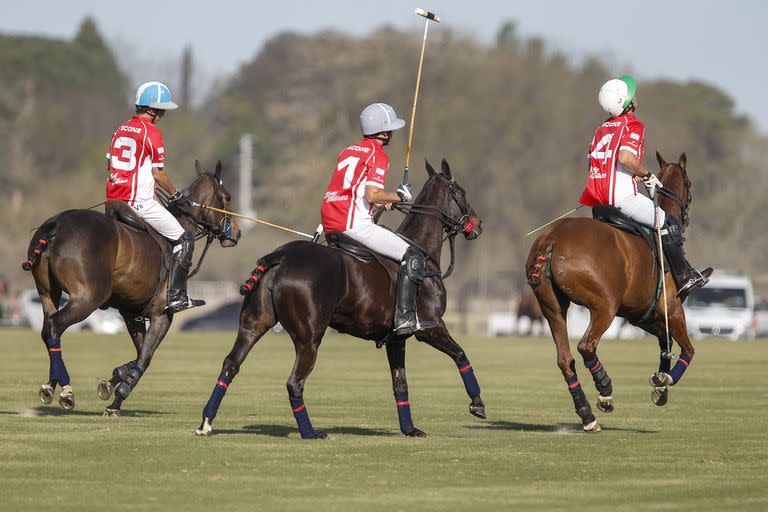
(612, 273)
(101, 262)
(308, 287)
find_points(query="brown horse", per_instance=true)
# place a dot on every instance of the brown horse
(308, 287)
(102, 262)
(612, 273)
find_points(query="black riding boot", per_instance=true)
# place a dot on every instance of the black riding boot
(410, 275)
(178, 300)
(686, 277)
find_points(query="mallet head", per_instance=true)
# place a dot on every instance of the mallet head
(429, 15)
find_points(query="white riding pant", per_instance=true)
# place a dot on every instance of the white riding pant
(160, 219)
(640, 208)
(379, 239)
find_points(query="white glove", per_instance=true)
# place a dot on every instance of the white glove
(404, 192)
(651, 183)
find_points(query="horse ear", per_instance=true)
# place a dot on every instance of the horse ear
(683, 161)
(661, 160)
(446, 169)
(198, 169)
(217, 173)
(430, 169)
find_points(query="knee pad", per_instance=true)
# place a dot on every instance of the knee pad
(415, 264)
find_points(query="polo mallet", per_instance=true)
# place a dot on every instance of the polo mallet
(428, 16)
(259, 221)
(669, 354)
(553, 220)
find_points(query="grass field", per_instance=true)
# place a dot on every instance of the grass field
(706, 450)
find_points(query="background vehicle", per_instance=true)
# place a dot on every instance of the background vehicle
(100, 321)
(761, 318)
(725, 308)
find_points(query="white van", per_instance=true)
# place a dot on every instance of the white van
(725, 307)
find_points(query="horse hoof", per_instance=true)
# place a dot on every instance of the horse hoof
(592, 427)
(660, 379)
(605, 403)
(316, 435)
(205, 428)
(660, 395)
(67, 398)
(416, 433)
(105, 389)
(46, 394)
(111, 413)
(477, 410)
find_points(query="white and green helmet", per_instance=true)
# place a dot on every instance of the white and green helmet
(616, 94)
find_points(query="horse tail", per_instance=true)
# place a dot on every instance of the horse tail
(540, 266)
(262, 265)
(40, 242)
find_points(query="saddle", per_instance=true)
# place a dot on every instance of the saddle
(613, 217)
(342, 242)
(124, 214)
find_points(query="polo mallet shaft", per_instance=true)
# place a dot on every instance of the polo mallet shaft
(554, 220)
(661, 269)
(233, 214)
(428, 16)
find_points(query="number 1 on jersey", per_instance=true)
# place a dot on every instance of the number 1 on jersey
(351, 164)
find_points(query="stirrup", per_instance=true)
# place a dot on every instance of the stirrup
(182, 306)
(698, 280)
(410, 327)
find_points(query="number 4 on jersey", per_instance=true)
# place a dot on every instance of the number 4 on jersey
(600, 153)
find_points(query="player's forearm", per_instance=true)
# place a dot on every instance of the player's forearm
(164, 181)
(630, 163)
(379, 196)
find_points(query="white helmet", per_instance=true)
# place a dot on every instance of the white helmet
(379, 117)
(617, 94)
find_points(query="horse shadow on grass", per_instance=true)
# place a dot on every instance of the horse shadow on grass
(43, 411)
(559, 428)
(286, 430)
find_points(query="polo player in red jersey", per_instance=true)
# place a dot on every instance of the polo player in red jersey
(136, 160)
(615, 165)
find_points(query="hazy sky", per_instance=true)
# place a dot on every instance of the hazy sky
(719, 42)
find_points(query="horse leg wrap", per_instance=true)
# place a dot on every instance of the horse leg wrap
(580, 400)
(468, 376)
(219, 390)
(306, 429)
(131, 380)
(600, 376)
(404, 413)
(121, 372)
(57, 372)
(679, 369)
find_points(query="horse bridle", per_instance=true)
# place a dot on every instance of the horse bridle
(683, 203)
(208, 230)
(451, 226)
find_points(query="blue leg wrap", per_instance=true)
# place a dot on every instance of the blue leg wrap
(468, 376)
(600, 376)
(302, 418)
(679, 369)
(57, 372)
(219, 390)
(404, 413)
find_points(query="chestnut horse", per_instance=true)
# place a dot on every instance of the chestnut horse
(612, 273)
(308, 287)
(102, 262)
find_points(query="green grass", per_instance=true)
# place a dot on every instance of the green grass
(706, 450)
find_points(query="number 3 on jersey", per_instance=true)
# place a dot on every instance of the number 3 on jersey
(350, 163)
(124, 154)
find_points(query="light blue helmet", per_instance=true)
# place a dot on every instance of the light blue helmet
(379, 117)
(155, 95)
